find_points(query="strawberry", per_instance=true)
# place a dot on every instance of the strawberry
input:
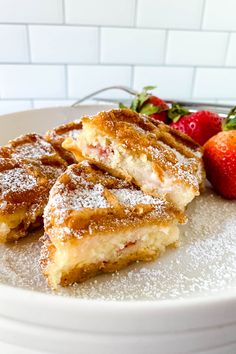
(220, 158)
(153, 106)
(200, 126)
(162, 111)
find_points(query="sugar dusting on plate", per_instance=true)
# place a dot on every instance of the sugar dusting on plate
(205, 263)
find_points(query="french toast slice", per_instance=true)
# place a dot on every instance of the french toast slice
(156, 157)
(29, 166)
(24, 190)
(57, 135)
(96, 223)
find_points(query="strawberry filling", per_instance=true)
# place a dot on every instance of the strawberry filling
(99, 150)
(127, 245)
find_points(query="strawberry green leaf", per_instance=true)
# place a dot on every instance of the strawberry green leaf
(176, 112)
(229, 123)
(122, 106)
(142, 98)
(135, 104)
(149, 88)
(149, 109)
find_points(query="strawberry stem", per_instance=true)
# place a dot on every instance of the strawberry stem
(229, 123)
(177, 111)
(139, 103)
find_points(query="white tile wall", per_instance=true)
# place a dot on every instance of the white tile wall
(62, 44)
(132, 46)
(55, 51)
(196, 48)
(184, 14)
(171, 82)
(83, 79)
(13, 44)
(100, 12)
(31, 11)
(32, 81)
(220, 15)
(231, 55)
(215, 83)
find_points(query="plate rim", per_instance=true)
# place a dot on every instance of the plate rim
(16, 294)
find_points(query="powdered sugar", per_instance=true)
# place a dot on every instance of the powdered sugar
(132, 197)
(65, 200)
(81, 198)
(182, 166)
(34, 150)
(52, 172)
(16, 180)
(204, 265)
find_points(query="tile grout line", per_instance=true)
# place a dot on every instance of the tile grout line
(166, 47)
(63, 12)
(99, 49)
(127, 64)
(193, 82)
(28, 44)
(77, 25)
(135, 20)
(132, 77)
(35, 99)
(66, 81)
(226, 51)
(202, 14)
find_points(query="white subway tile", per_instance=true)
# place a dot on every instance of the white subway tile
(10, 106)
(171, 82)
(61, 44)
(170, 13)
(132, 46)
(32, 81)
(31, 11)
(215, 83)
(231, 55)
(13, 44)
(102, 12)
(228, 102)
(196, 48)
(201, 100)
(220, 15)
(83, 79)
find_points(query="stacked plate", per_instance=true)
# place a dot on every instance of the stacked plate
(183, 303)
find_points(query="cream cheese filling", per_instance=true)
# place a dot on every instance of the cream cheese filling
(10, 222)
(108, 248)
(113, 156)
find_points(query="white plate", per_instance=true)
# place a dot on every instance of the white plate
(183, 303)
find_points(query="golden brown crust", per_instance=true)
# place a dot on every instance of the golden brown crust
(138, 134)
(21, 182)
(35, 148)
(24, 190)
(87, 205)
(29, 167)
(86, 201)
(131, 128)
(57, 135)
(47, 252)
